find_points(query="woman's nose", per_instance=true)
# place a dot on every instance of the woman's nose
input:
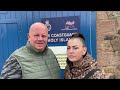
(71, 50)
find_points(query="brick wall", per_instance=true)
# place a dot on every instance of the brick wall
(108, 41)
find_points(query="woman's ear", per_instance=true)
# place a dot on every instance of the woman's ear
(84, 50)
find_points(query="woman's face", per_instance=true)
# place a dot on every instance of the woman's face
(75, 50)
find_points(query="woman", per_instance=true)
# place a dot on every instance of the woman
(80, 64)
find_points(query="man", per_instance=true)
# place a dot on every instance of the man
(33, 61)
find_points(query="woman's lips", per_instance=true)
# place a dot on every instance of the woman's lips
(71, 56)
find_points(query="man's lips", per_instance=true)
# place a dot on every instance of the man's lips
(40, 44)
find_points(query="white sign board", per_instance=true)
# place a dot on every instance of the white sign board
(60, 52)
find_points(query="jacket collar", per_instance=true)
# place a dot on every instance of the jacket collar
(86, 63)
(34, 50)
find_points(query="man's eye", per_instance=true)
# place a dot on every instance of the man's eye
(43, 36)
(36, 35)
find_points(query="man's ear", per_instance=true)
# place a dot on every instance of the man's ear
(28, 35)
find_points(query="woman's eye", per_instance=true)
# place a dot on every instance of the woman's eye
(68, 47)
(75, 48)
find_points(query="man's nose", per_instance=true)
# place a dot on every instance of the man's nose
(40, 38)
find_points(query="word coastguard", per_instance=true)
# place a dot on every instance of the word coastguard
(60, 35)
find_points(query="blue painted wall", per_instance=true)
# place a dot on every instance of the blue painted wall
(14, 26)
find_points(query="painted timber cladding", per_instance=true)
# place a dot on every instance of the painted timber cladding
(14, 26)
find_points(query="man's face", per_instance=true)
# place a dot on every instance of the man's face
(38, 37)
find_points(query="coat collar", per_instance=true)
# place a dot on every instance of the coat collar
(34, 50)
